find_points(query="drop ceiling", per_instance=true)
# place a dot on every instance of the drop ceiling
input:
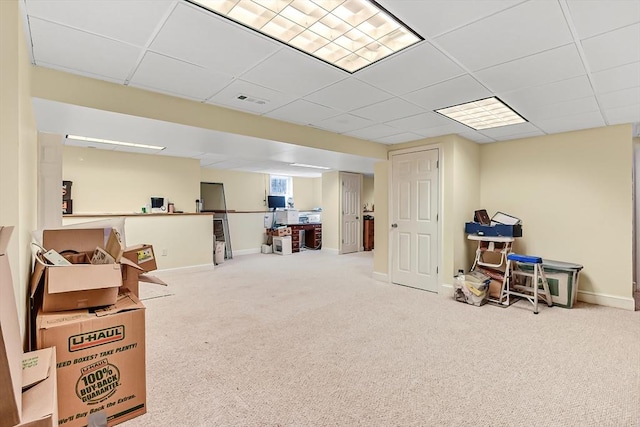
(563, 65)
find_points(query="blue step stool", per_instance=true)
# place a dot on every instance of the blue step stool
(529, 289)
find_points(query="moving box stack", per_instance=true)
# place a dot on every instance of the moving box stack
(79, 306)
(28, 393)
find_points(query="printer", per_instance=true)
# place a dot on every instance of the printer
(287, 216)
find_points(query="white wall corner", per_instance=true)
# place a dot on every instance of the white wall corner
(381, 277)
(446, 290)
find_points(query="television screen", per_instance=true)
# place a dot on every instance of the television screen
(276, 202)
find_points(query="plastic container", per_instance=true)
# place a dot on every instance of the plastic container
(219, 253)
(473, 293)
(563, 281)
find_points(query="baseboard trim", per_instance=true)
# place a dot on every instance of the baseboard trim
(381, 277)
(247, 251)
(202, 266)
(625, 303)
(331, 251)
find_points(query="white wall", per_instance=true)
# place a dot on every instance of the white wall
(636, 197)
(367, 196)
(307, 193)
(331, 211)
(18, 149)
(466, 199)
(118, 182)
(381, 224)
(573, 192)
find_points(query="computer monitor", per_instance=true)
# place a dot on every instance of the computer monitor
(275, 202)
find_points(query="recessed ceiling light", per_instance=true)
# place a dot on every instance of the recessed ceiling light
(483, 114)
(302, 165)
(111, 142)
(349, 34)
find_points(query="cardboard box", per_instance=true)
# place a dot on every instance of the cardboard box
(10, 341)
(28, 392)
(40, 391)
(101, 360)
(82, 284)
(281, 232)
(141, 260)
(142, 255)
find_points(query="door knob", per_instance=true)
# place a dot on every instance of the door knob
(394, 225)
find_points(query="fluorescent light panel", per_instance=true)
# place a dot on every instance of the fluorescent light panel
(302, 165)
(483, 114)
(349, 34)
(111, 142)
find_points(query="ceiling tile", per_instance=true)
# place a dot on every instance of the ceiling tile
(302, 112)
(545, 67)
(400, 138)
(343, 123)
(447, 129)
(347, 95)
(202, 38)
(520, 135)
(505, 132)
(620, 98)
(613, 49)
(508, 35)
(433, 17)
(80, 51)
(452, 92)
(166, 74)
(374, 132)
(560, 109)
(534, 97)
(599, 16)
(229, 97)
(294, 73)
(419, 121)
(133, 21)
(477, 137)
(620, 115)
(569, 123)
(388, 110)
(411, 69)
(617, 78)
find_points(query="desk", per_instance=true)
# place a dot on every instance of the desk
(312, 236)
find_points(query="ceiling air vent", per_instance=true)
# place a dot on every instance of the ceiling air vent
(253, 99)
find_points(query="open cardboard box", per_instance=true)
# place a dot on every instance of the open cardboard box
(144, 260)
(40, 389)
(82, 284)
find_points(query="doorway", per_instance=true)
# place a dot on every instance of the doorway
(351, 188)
(413, 211)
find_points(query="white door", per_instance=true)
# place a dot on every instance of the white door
(350, 212)
(414, 219)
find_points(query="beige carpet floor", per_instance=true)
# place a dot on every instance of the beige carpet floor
(312, 340)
